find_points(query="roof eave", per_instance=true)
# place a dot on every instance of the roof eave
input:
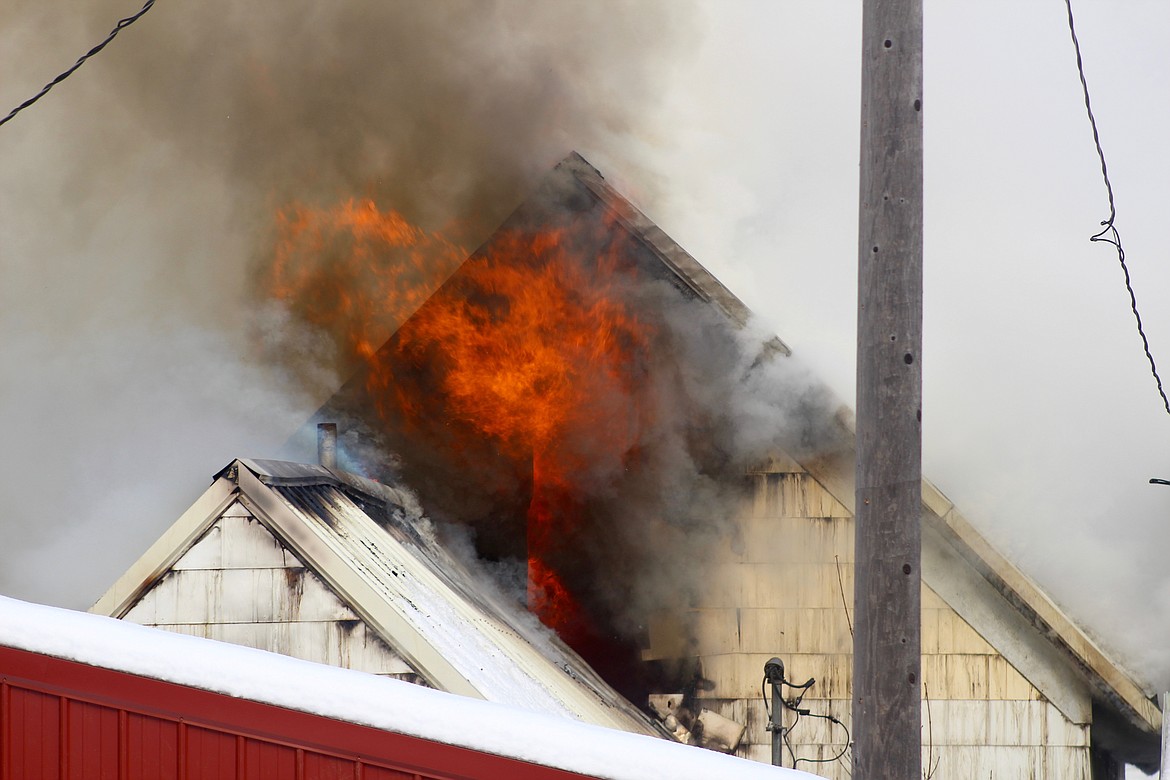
(166, 550)
(943, 523)
(276, 515)
(1109, 682)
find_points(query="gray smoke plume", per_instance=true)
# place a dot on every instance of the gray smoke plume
(644, 472)
(139, 201)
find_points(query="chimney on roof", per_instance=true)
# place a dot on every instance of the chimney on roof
(327, 445)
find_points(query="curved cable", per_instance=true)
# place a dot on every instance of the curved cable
(122, 24)
(793, 705)
(1109, 234)
(844, 749)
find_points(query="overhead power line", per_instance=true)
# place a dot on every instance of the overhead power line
(1109, 232)
(121, 25)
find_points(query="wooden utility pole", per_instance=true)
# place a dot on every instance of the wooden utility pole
(887, 656)
(1165, 771)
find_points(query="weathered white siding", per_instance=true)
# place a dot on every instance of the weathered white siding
(780, 588)
(238, 584)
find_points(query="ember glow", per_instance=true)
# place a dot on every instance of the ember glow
(569, 395)
(539, 352)
(355, 270)
(531, 344)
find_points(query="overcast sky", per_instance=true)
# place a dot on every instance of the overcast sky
(740, 138)
(1041, 418)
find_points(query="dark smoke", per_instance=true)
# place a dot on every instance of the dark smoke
(139, 202)
(444, 111)
(650, 468)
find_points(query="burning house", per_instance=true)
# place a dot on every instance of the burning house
(658, 481)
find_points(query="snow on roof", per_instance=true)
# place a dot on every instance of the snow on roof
(451, 627)
(361, 698)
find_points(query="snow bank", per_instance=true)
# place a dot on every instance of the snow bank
(361, 698)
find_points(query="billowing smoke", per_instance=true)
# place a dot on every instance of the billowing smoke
(180, 284)
(569, 398)
(140, 202)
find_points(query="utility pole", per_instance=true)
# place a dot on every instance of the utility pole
(887, 656)
(1165, 770)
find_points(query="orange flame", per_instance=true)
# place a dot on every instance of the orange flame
(550, 600)
(540, 352)
(355, 270)
(530, 343)
(534, 346)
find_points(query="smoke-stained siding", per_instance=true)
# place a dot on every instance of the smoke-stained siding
(238, 584)
(326, 567)
(783, 586)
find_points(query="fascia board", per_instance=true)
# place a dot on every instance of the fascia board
(169, 547)
(1110, 681)
(1003, 627)
(1008, 585)
(348, 584)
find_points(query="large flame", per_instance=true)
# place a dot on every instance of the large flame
(540, 352)
(536, 345)
(355, 270)
(531, 343)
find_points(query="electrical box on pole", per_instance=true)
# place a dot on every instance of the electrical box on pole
(887, 644)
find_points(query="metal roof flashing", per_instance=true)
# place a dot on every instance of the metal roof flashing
(367, 492)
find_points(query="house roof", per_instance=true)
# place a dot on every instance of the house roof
(383, 563)
(681, 263)
(1011, 611)
(945, 525)
(113, 665)
(985, 588)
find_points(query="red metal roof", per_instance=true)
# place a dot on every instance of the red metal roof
(61, 719)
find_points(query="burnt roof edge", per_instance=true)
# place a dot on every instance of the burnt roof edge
(284, 473)
(689, 270)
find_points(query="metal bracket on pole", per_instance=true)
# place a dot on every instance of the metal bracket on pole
(774, 674)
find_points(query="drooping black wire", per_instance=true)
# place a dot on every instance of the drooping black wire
(1109, 232)
(122, 24)
(787, 741)
(848, 739)
(793, 704)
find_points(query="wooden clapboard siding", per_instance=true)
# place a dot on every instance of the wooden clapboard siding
(793, 495)
(780, 586)
(792, 540)
(1005, 723)
(238, 584)
(754, 630)
(348, 645)
(995, 761)
(809, 584)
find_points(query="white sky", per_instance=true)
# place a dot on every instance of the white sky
(1041, 418)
